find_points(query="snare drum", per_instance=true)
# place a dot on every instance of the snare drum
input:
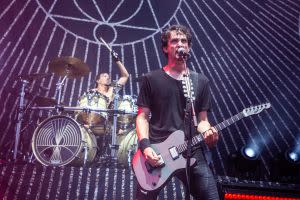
(96, 121)
(60, 140)
(128, 104)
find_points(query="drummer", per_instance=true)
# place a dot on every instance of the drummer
(109, 90)
(103, 80)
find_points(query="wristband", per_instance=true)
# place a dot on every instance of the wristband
(143, 144)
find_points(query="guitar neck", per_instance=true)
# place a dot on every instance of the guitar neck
(199, 138)
(229, 121)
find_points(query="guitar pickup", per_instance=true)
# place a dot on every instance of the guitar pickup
(160, 163)
(174, 153)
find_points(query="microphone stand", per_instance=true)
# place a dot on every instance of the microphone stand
(190, 121)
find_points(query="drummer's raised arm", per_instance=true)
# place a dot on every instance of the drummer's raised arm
(123, 71)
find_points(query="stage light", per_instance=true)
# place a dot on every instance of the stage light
(286, 166)
(292, 156)
(249, 152)
(246, 162)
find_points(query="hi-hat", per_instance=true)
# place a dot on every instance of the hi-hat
(69, 66)
(31, 77)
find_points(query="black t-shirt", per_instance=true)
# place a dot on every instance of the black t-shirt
(164, 96)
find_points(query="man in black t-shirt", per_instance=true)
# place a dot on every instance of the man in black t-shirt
(161, 96)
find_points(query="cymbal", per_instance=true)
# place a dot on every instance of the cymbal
(69, 66)
(45, 101)
(35, 76)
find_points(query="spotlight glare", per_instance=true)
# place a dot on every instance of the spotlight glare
(292, 156)
(250, 152)
(246, 162)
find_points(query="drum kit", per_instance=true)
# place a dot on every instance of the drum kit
(93, 132)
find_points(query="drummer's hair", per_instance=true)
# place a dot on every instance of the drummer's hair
(98, 77)
(165, 35)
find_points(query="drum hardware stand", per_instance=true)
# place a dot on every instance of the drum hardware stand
(31, 158)
(59, 87)
(114, 147)
(19, 118)
(86, 148)
(131, 152)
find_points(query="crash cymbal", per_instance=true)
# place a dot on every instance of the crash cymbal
(68, 66)
(45, 101)
(35, 76)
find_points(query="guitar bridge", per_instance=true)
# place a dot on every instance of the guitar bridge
(160, 163)
(174, 153)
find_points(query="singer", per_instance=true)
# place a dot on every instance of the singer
(162, 95)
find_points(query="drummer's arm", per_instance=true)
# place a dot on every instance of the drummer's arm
(123, 72)
(122, 80)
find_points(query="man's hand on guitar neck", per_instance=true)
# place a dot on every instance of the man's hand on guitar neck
(209, 133)
(151, 157)
(211, 137)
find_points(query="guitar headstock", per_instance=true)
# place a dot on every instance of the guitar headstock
(188, 89)
(255, 109)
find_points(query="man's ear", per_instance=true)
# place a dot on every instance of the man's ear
(165, 49)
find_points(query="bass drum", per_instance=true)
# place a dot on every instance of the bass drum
(127, 147)
(60, 140)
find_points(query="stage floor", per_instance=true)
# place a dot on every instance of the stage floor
(29, 181)
(34, 181)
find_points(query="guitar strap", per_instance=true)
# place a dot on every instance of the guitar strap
(195, 80)
(205, 150)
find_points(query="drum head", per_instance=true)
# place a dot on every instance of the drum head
(127, 147)
(92, 100)
(57, 141)
(128, 104)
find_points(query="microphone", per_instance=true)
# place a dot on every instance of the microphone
(182, 52)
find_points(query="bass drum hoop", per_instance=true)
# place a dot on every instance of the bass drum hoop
(71, 138)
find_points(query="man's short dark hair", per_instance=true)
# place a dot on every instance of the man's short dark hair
(180, 28)
(98, 77)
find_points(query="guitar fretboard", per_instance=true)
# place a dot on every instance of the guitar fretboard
(198, 138)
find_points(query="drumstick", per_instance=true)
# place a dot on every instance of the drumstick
(106, 44)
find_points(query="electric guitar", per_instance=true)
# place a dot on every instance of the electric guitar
(170, 152)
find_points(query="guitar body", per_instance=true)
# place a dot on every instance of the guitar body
(158, 177)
